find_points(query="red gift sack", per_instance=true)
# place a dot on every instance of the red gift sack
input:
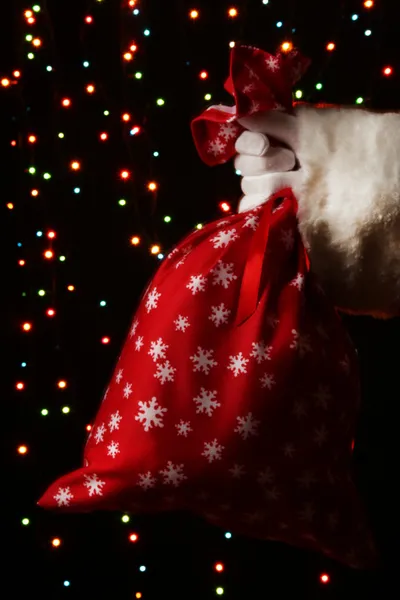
(235, 396)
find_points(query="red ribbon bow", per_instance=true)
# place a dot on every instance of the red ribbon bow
(258, 81)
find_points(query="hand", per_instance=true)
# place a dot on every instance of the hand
(265, 164)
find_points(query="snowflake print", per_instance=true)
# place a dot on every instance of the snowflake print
(303, 345)
(183, 428)
(127, 390)
(247, 426)
(63, 496)
(267, 381)
(266, 477)
(299, 409)
(152, 300)
(147, 481)
(298, 282)
(165, 372)
(94, 485)
(203, 360)
(289, 450)
(99, 435)
(223, 274)
(272, 494)
(181, 323)
(133, 328)
(322, 397)
(197, 284)
(254, 107)
(238, 364)
(287, 238)
(157, 349)
(217, 147)
(206, 402)
(224, 238)
(251, 221)
(118, 376)
(113, 449)
(114, 421)
(151, 414)
(295, 342)
(222, 223)
(173, 474)
(320, 435)
(261, 352)
(237, 471)
(272, 63)
(212, 451)
(306, 480)
(248, 88)
(219, 315)
(308, 512)
(139, 343)
(228, 131)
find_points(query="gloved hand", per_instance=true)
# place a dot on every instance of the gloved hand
(348, 191)
(264, 162)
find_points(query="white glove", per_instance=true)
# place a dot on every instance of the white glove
(266, 169)
(348, 189)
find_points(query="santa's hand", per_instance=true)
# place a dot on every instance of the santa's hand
(266, 168)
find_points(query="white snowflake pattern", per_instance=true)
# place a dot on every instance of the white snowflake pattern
(203, 360)
(322, 397)
(173, 474)
(298, 282)
(306, 479)
(266, 477)
(287, 238)
(94, 485)
(139, 343)
(238, 364)
(127, 390)
(223, 274)
(228, 131)
(254, 107)
(308, 512)
(248, 88)
(165, 372)
(217, 147)
(299, 409)
(247, 426)
(261, 351)
(183, 428)
(206, 402)
(158, 349)
(113, 449)
(224, 238)
(289, 450)
(273, 493)
(300, 343)
(114, 421)
(267, 381)
(63, 496)
(237, 471)
(197, 284)
(320, 435)
(272, 63)
(118, 376)
(251, 221)
(133, 328)
(100, 431)
(219, 315)
(146, 480)
(213, 450)
(181, 323)
(152, 300)
(151, 414)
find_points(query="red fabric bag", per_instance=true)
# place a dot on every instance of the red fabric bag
(235, 396)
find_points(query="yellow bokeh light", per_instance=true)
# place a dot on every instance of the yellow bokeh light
(126, 117)
(331, 46)
(194, 14)
(128, 56)
(155, 249)
(5, 82)
(75, 165)
(37, 42)
(62, 384)
(152, 186)
(56, 542)
(135, 241)
(34, 193)
(49, 254)
(27, 326)
(66, 102)
(286, 46)
(71, 288)
(22, 450)
(368, 3)
(233, 12)
(90, 88)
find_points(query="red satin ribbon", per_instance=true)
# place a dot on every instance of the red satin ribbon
(250, 290)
